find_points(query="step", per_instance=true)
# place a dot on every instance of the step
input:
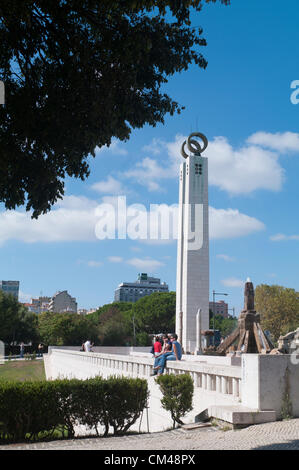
(241, 415)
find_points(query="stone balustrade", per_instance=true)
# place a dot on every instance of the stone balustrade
(222, 379)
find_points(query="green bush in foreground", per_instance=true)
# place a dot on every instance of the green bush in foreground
(177, 395)
(32, 410)
(28, 408)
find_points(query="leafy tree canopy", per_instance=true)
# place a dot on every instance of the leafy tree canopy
(155, 313)
(65, 329)
(16, 322)
(114, 329)
(225, 325)
(77, 73)
(120, 306)
(278, 307)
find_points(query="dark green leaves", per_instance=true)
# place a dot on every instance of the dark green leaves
(78, 73)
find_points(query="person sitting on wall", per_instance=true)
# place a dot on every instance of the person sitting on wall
(174, 355)
(87, 346)
(165, 348)
(157, 346)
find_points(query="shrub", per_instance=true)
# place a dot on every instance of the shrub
(68, 394)
(125, 399)
(91, 404)
(177, 393)
(27, 409)
(30, 410)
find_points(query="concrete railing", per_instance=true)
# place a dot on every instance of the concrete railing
(222, 379)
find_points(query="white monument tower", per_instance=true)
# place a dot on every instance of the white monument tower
(192, 289)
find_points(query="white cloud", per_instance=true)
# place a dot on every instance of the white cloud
(150, 172)
(230, 223)
(243, 170)
(234, 170)
(25, 298)
(174, 154)
(225, 258)
(94, 264)
(281, 237)
(147, 172)
(280, 141)
(145, 264)
(115, 148)
(155, 147)
(76, 218)
(232, 282)
(73, 220)
(135, 248)
(110, 186)
(115, 259)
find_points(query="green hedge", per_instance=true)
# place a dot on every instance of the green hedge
(33, 410)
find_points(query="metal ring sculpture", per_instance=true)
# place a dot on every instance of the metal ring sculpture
(193, 145)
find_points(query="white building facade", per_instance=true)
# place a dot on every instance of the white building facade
(62, 302)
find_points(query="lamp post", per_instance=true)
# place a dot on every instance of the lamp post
(214, 295)
(134, 330)
(232, 309)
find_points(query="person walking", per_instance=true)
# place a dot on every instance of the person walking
(22, 349)
(174, 355)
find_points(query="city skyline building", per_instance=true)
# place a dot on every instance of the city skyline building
(219, 308)
(10, 287)
(144, 285)
(63, 302)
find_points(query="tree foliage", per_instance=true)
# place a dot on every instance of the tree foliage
(16, 322)
(278, 307)
(155, 313)
(65, 329)
(78, 73)
(113, 324)
(225, 325)
(101, 311)
(114, 329)
(177, 393)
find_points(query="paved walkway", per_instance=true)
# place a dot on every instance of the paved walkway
(282, 435)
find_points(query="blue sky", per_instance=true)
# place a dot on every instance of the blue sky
(241, 102)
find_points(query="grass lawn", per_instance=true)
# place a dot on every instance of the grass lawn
(23, 370)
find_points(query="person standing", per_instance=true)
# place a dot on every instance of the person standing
(40, 350)
(22, 349)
